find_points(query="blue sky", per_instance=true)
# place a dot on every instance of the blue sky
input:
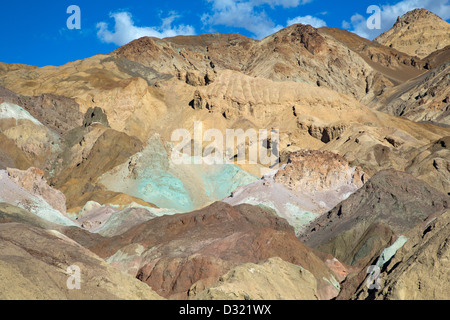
(36, 33)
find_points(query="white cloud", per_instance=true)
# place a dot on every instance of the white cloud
(313, 21)
(125, 31)
(346, 25)
(248, 15)
(389, 14)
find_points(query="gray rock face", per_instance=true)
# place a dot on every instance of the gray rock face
(390, 198)
(58, 113)
(95, 115)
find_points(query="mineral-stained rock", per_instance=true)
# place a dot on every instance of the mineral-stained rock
(390, 198)
(432, 165)
(95, 115)
(422, 99)
(11, 156)
(33, 180)
(171, 253)
(419, 269)
(35, 141)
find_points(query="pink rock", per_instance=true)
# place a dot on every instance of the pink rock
(33, 180)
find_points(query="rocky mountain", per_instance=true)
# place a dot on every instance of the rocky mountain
(418, 33)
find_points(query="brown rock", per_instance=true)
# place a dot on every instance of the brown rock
(171, 253)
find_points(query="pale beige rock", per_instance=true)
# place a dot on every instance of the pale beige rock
(273, 279)
(418, 32)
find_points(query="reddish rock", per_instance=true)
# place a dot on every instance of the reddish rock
(314, 170)
(181, 250)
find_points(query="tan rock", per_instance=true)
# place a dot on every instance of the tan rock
(274, 279)
(418, 32)
(34, 266)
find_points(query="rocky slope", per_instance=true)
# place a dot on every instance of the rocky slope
(391, 202)
(407, 276)
(423, 99)
(49, 254)
(182, 253)
(311, 183)
(152, 175)
(274, 279)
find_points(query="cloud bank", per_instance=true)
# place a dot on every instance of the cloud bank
(313, 21)
(126, 31)
(251, 16)
(254, 16)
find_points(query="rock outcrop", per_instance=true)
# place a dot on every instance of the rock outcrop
(89, 150)
(28, 190)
